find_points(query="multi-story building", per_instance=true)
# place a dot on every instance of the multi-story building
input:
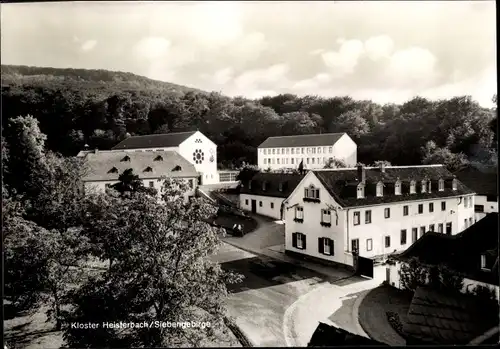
(194, 146)
(314, 151)
(373, 211)
(483, 180)
(104, 167)
(265, 192)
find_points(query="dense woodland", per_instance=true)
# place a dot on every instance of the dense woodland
(99, 108)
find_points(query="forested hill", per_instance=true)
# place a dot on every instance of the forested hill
(99, 108)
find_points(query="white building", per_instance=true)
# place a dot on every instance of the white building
(265, 192)
(104, 168)
(373, 211)
(483, 180)
(314, 151)
(473, 253)
(193, 146)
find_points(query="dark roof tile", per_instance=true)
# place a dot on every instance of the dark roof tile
(314, 140)
(272, 184)
(483, 182)
(163, 140)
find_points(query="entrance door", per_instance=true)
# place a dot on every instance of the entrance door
(365, 267)
(254, 206)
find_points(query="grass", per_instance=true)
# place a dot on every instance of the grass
(228, 220)
(373, 313)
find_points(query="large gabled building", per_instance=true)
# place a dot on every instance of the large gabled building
(333, 215)
(313, 150)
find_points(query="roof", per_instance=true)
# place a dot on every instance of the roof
(327, 336)
(101, 163)
(314, 140)
(342, 184)
(483, 181)
(460, 252)
(447, 318)
(268, 184)
(162, 140)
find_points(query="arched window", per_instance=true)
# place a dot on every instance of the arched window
(126, 158)
(424, 186)
(361, 191)
(441, 184)
(397, 187)
(454, 184)
(113, 170)
(148, 169)
(380, 189)
(413, 186)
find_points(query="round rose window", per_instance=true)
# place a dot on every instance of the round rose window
(198, 156)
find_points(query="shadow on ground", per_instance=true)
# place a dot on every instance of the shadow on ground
(261, 272)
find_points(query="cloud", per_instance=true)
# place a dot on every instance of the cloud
(88, 45)
(252, 79)
(412, 65)
(310, 85)
(343, 61)
(152, 47)
(249, 48)
(223, 76)
(378, 47)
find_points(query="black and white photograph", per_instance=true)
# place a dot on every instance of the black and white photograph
(181, 174)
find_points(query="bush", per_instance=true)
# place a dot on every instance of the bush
(395, 322)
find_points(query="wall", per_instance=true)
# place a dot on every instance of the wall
(346, 150)
(381, 226)
(208, 166)
(266, 209)
(489, 206)
(311, 226)
(323, 153)
(144, 149)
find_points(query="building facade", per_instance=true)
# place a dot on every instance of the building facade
(104, 168)
(194, 146)
(264, 193)
(314, 151)
(483, 180)
(373, 211)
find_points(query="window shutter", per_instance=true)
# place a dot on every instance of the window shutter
(304, 242)
(294, 239)
(321, 247)
(332, 250)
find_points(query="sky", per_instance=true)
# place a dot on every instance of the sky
(387, 52)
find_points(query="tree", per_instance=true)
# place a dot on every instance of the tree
(163, 273)
(335, 163)
(412, 275)
(351, 122)
(381, 162)
(434, 155)
(129, 183)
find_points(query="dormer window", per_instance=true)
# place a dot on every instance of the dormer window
(250, 185)
(280, 187)
(159, 158)
(380, 189)
(126, 158)
(113, 170)
(148, 169)
(454, 183)
(397, 187)
(441, 184)
(311, 194)
(484, 262)
(429, 186)
(424, 186)
(361, 191)
(264, 186)
(177, 168)
(413, 185)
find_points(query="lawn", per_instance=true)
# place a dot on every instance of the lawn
(227, 221)
(373, 309)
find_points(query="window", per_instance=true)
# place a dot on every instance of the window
(470, 221)
(278, 161)
(484, 265)
(246, 202)
(265, 161)
(368, 216)
(387, 212)
(127, 158)
(274, 151)
(326, 217)
(325, 246)
(158, 158)
(260, 203)
(424, 186)
(369, 244)
(148, 169)
(414, 234)
(264, 186)
(478, 208)
(272, 205)
(397, 188)
(380, 189)
(302, 151)
(431, 227)
(387, 241)
(412, 187)
(440, 228)
(151, 184)
(405, 210)
(299, 212)
(265, 151)
(313, 150)
(299, 241)
(441, 185)
(292, 151)
(491, 198)
(422, 231)
(177, 168)
(454, 184)
(250, 184)
(280, 186)
(330, 150)
(287, 151)
(312, 161)
(448, 228)
(443, 205)
(113, 170)
(291, 161)
(311, 193)
(420, 208)
(431, 207)
(356, 218)
(355, 245)
(319, 150)
(465, 201)
(403, 237)
(429, 186)
(465, 222)
(307, 160)
(361, 191)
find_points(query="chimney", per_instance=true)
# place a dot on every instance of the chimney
(86, 147)
(382, 167)
(361, 173)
